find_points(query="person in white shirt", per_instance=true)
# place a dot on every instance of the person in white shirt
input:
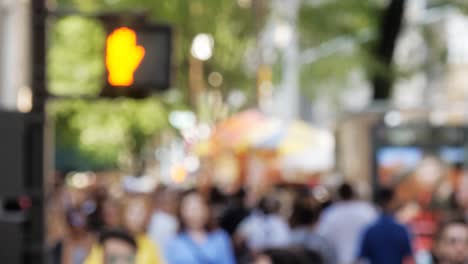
(264, 228)
(163, 225)
(344, 222)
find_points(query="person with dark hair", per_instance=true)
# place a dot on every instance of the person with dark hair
(76, 245)
(163, 225)
(346, 192)
(344, 221)
(118, 247)
(235, 212)
(134, 218)
(304, 234)
(451, 245)
(386, 241)
(198, 242)
(264, 227)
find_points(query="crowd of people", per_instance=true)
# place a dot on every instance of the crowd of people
(288, 224)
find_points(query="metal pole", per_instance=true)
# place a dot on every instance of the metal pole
(14, 51)
(287, 96)
(37, 226)
(39, 16)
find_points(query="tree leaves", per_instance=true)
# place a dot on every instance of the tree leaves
(100, 132)
(333, 19)
(95, 135)
(75, 57)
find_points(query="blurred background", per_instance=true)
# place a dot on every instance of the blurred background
(257, 97)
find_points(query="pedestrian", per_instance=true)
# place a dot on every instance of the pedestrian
(344, 221)
(163, 224)
(264, 228)
(118, 247)
(76, 244)
(451, 245)
(199, 241)
(304, 231)
(236, 211)
(386, 241)
(135, 216)
(110, 213)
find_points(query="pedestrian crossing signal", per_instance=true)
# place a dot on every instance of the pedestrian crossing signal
(137, 58)
(123, 56)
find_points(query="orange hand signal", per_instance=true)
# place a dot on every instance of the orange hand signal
(123, 56)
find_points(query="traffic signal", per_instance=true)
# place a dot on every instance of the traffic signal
(137, 56)
(123, 56)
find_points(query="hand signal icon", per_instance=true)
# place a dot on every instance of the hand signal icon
(123, 56)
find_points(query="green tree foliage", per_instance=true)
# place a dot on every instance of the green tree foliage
(229, 24)
(96, 135)
(350, 19)
(75, 60)
(323, 22)
(99, 134)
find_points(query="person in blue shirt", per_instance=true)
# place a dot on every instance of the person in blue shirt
(386, 241)
(198, 242)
